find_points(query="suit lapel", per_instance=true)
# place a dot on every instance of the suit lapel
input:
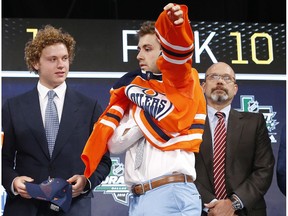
(206, 150)
(234, 131)
(33, 118)
(69, 119)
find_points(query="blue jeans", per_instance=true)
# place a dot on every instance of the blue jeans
(174, 199)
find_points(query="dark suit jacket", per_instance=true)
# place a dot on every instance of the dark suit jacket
(281, 162)
(249, 162)
(24, 135)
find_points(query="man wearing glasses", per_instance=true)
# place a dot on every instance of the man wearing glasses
(235, 164)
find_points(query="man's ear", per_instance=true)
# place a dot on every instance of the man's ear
(203, 83)
(36, 66)
(235, 89)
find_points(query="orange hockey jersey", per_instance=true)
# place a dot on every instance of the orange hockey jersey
(169, 108)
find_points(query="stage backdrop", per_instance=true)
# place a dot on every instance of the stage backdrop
(106, 49)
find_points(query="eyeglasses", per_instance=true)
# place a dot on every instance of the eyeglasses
(225, 77)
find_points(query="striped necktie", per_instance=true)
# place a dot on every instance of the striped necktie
(51, 121)
(219, 157)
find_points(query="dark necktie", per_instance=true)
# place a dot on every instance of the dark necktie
(51, 121)
(219, 157)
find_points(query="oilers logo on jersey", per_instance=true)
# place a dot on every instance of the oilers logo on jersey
(152, 102)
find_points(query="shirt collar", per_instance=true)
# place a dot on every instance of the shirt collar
(212, 111)
(60, 90)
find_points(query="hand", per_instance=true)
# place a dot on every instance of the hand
(19, 186)
(78, 184)
(175, 13)
(220, 208)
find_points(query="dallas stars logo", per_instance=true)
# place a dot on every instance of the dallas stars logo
(249, 104)
(114, 183)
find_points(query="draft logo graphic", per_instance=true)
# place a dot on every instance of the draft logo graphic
(114, 183)
(249, 104)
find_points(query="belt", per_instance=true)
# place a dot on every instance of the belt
(139, 189)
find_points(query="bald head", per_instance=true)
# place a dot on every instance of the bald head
(220, 67)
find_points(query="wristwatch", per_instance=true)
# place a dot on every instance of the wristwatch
(236, 204)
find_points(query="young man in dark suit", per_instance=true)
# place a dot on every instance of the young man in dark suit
(25, 153)
(248, 157)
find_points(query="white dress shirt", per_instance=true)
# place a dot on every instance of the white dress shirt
(59, 98)
(155, 162)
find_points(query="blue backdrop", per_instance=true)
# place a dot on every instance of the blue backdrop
(107, 48)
